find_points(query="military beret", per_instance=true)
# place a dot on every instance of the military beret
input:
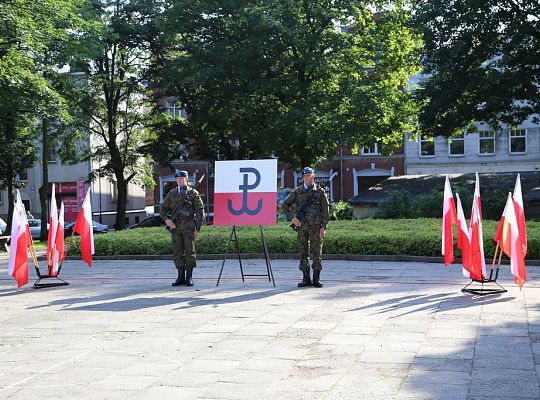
(307, 170)
(180, 174)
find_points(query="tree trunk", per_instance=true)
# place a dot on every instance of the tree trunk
(121, 186)
(10, 134)
(45, 186)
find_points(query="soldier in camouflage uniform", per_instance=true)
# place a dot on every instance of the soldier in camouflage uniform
(307, 209)
(182, 211)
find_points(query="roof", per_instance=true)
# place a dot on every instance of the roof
(419, 184)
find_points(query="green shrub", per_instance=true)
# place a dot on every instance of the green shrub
(416, 237)
(341, 210)
(398, 204)
(428, 205)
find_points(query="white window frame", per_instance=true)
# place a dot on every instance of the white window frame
(52, 156)
(172, 108)
(376, 149)
(420, 141)
(480, 138)
(510, 137)
(460, 138)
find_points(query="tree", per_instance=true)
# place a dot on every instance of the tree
(27, 30)
(111, 98)
(287, 78)
(482, 60)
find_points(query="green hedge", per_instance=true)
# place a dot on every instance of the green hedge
(416, 237)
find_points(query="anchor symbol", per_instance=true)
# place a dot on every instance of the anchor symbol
(245, 187)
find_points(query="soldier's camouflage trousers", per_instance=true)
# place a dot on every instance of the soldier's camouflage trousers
(184, 249)
(308, 236)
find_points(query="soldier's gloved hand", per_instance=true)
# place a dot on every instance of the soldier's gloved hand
(322, 233)
(296, 222)
(170, 224)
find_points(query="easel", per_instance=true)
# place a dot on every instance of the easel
(269, 273)
(489, 290)
(58, 282)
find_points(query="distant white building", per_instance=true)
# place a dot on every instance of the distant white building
(510, 149)
(71, 185)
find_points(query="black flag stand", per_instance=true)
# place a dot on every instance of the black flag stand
(269, 273)
(482, 291)
(58, 281)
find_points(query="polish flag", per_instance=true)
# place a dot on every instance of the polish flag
(464, 240)
(511, 244)
(478, 262)
(20, 241)
(52, 254)
(498, 233)
(520, 215)
(83, 226)
(449, 219)
(59, 245)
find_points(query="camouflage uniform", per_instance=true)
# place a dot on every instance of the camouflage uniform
(314, 217)
(187, 221)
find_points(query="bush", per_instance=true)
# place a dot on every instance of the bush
(398, 204)
(341, 210)
(428, 205)
(415, 237)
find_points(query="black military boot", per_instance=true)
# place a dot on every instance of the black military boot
(306, 280)
(189, 280)
(181, 277)
(316, 276)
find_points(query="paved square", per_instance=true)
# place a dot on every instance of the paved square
(377, 330)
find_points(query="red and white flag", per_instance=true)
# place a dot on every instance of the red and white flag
(464, 240)
(59, 245)
(498, 234)
(520, 215)
(20, 241)
(448, 220)
(83, 226)
(511, 244)
(478, 262)
(52, 254)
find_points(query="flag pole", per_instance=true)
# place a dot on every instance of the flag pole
(493, 262)
(34, 258)
(498, 265)
(66, 252)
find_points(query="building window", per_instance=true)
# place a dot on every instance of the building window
(518, 141)
(52, 155)
(174, 109)
(23, 176)
(427, 146)
(456, 145)
(486, 142)
(374, 149)
(1, 197)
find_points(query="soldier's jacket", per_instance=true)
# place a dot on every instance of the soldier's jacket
(191, 212)
(315, 213)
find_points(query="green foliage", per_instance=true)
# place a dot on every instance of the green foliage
(341, 210)
(287, 78)
(414, 237)
(428, 205)
(398, 204)
(479, 56)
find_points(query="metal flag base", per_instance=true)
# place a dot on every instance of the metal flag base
(234, 238)
(58, 282)
(482, 291)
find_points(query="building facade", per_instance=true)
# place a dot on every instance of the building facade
(71, 184)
